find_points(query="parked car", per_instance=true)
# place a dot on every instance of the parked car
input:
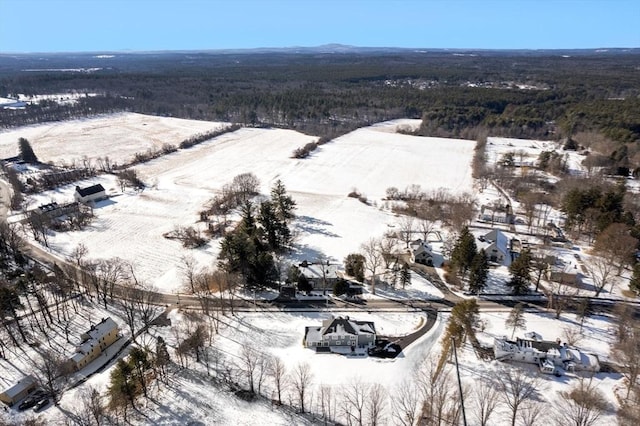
(32, 399)
(41, 404)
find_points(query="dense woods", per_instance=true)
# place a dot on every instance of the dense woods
(522, 94)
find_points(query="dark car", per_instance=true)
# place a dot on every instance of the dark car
(41, 404)
(32, 399)
(28, 403)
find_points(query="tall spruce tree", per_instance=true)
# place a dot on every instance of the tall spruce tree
(520, 270)
(478, 272)
(26, 152)
(464, 251)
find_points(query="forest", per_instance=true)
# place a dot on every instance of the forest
(590, 95)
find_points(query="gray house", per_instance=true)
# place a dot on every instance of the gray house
(321, 276)
(341, 335)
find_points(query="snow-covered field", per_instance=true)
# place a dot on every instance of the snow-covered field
(526, 152)
(117, 136)
(329, 224)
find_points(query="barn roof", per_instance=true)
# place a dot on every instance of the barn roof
(90, 190)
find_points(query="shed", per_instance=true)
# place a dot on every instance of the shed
(19, 390)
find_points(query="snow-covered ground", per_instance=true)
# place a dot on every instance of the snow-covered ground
(526, 152)
(596, 338)
(329, 224)
(117, 136)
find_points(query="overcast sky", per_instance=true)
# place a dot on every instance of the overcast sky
(108, 25)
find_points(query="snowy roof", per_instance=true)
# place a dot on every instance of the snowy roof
(90, 190)
(498, 238)
(315, 270)
(96, 332)
(20, 386)
(342, 326)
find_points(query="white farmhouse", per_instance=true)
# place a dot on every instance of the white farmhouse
(497, 247)
(420, 252)
(95, 341)
(533, 350)
(342, 335)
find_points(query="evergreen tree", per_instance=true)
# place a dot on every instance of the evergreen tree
(140, 363)
(460, 327)
(478, 272)
(516, 318)
(464, 251)
(340, 287)
(162, 359)
(26, 152)
(520, 270)
(354, 266)
(405, 275)
(122, 389)
(292, 274)
(284, 204)
(304, 284)
(634, 284)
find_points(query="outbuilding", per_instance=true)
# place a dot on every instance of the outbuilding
(89, 194)
(19, 390)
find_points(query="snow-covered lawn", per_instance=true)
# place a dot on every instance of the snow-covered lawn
(329, 224)
(117, 136)
(596, 338)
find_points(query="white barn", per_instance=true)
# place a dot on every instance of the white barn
(89, 194)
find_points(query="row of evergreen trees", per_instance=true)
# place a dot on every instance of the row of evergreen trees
(473, 265)
(263, 231)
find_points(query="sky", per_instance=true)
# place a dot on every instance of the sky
(147, 25)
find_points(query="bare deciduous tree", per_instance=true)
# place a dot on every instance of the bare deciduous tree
(376, 405)
(516, 387)
(626, 353)
(485, 400)
(327, 403)
(90, 409)
(582, 405)
(278, 373)
(440, 395)
(372, 259)
(302, 378)
(407, 227)
(601, 271)
(354, 396)
(406, 403)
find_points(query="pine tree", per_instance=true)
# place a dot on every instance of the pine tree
(520, 270)
(285, 205)
(122, 389)
(478, 272)
(354, 266)
(516, 318)
(26, 152)
(464, 251)
(405, 275)
(162, 359)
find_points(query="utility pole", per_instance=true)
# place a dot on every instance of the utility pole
(455, 355)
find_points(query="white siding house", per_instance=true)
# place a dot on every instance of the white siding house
(89, 194)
